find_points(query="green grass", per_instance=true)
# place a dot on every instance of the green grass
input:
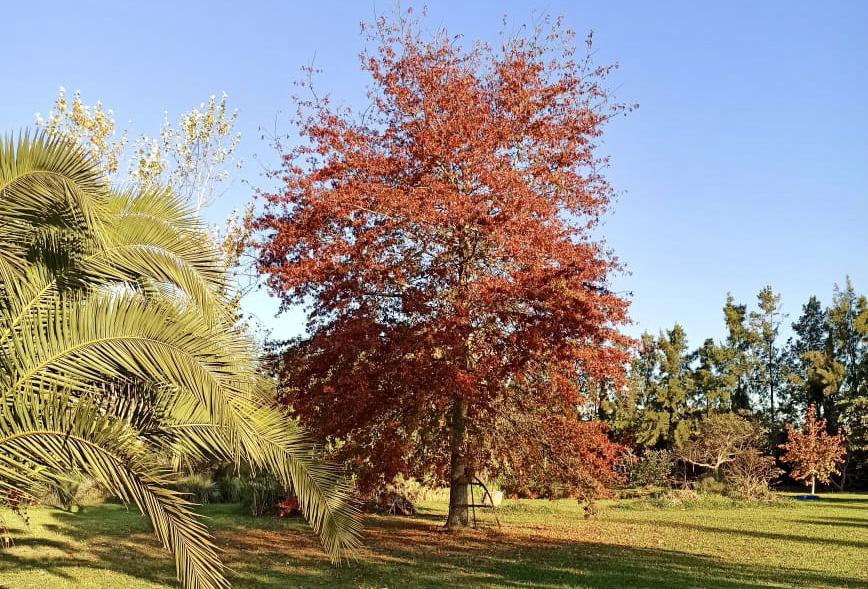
(541, 544)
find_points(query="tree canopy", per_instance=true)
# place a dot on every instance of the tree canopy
(813, 453)
(444, 241)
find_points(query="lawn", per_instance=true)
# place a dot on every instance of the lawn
(541, 544)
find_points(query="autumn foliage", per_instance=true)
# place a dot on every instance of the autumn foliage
(444, 238)
(813, 453)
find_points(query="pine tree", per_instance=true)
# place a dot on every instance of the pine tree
(807, 355)
(739, 363)
(665, 420)
(625, 406)
(765, 325)
(848, 334)
(714, 384)
(848, 328)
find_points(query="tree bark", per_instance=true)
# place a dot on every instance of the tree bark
(844, 473)
(459, 476)
(813, 485)
(772, 380)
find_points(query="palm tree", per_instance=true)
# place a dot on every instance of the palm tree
(120, 359)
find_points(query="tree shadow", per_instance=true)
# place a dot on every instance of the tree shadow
(48, 564)
(48, 556)
(861, 507)
(105, 537)
(843, 500)
(764, 535)
(411, 552)
(851, 522)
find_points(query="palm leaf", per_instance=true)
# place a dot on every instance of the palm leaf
(44, 437)
(272, 442)
(119, 301)
(44, 180)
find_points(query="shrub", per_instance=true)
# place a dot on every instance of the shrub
(77, 491)
(709, 485)
(288, 506)
(391, 503)
(261, 496)
(719, 440)
(652, 468)
(233, 488)
(200, 486)
(690, 499)
(748, 477)
(395, 498)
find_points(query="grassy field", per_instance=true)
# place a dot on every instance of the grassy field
(541, 544)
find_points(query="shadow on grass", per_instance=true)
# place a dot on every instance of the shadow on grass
(765, 535)
(847, 522)
(852, 502)
(407, 553)
(106, 537)
(49, 564)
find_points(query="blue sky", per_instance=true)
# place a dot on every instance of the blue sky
(746, 163)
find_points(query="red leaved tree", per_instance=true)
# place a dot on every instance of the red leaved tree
(444, 241)
(813, 452)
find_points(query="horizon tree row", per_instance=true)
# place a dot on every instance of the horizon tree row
(824, 363)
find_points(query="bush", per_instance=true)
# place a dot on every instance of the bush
(708, 485)
(691, 499)
(200, 486)
(233, 488)
(261, 496)
(728, 445)
(390, 503)
(653, 468)
(748, 477)
(78, 491)
(395, 498)
(288, 506)
(720, 439)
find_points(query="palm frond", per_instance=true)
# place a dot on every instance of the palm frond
(271, 441)
(77, 343)
(45, 181)
(118, 301)
(151, 234)
(45, 437)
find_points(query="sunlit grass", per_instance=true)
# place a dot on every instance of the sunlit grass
(541, 544)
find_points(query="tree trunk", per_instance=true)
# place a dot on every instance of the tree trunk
(772, 381)
(458, 471)
(774, 418)
(813, 485)
(844, 473)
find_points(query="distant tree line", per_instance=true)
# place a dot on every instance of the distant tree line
(754, 372)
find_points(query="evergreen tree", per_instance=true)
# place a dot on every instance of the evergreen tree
(854, 421)
(848, 328)
(810, 328)
(765, 325)
(806, 354)
(714, 383)
(739, 363)
(665, 419)
(848, 334)
(625, 408)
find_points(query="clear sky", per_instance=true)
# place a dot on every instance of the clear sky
(746, 163)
